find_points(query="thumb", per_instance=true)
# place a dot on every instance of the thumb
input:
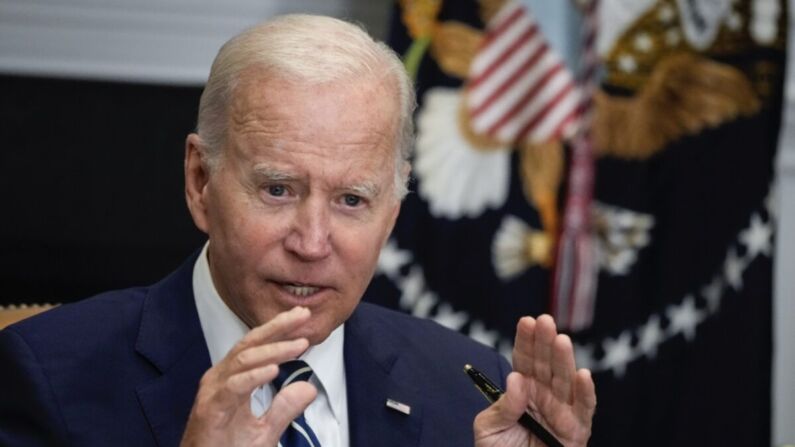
(504, 413)
(287, 404)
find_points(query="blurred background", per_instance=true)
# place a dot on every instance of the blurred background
(684, 310)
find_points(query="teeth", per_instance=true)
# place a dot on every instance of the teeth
(300, 290)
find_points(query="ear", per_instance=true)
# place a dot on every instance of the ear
(197, 176)
(405, 172)
(392, 220)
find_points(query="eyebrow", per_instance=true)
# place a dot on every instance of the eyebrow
(269, 173)
(272, 174)
(365, 189)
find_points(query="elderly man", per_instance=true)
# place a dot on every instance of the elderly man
(296, 173)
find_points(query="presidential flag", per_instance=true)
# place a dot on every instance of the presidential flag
(684, 133)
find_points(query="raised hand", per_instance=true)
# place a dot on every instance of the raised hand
(221, 414)
(546, 383)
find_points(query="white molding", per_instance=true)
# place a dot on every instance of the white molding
(162, 41)
(783, 392)
(786, 162)
(784, 304)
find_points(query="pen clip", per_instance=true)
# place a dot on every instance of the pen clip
(486, 387)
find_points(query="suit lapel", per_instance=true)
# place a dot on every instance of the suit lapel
(171, 338)
(372, 368)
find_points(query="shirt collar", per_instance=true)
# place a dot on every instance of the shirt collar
(328, 366)
(223, 329)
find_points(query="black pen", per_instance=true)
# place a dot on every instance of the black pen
(493, 392)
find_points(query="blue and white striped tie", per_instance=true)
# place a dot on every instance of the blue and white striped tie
(298, 434)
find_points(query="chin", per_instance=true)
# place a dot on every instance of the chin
(314, 336)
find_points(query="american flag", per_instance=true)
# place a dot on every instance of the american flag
(519, 89)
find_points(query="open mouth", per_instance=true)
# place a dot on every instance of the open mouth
(301, 290)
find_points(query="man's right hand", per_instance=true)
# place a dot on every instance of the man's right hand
(221, 414)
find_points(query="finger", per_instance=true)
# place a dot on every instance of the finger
(542, 349)
(504, 413)
(524, 345)
(271, 353)
(288, 403)
(219, 394)
(278, 328)
(584, 396)
(244, 383)
(563, 369)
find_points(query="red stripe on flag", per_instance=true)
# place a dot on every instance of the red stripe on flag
(573, 116)
(527, 35)
(543, 112)
(502, 27)
(515, 76)
(525, 98)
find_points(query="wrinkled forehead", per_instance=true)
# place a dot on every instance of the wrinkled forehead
(279, 104)
(255, 86)
(351, 121)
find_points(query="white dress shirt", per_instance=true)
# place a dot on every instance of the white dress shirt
(328, 413)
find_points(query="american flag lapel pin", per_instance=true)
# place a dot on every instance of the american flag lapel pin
(398, 406)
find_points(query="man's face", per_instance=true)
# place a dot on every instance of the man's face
(302, 200)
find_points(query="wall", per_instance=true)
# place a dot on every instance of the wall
(164, 41)
(784, 274)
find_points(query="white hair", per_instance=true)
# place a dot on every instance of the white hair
(311, 49)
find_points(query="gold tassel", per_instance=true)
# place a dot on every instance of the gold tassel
(541, 172)
(684, 95)
(538, 248)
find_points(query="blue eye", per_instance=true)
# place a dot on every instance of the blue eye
(277, 190)
(351, 200)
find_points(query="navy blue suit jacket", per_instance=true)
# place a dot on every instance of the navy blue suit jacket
(123, 368)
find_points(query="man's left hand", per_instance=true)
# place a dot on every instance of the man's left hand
(545, 383)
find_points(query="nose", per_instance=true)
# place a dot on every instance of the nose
(310, 236)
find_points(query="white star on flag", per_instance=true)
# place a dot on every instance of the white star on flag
(618, 352)
(733, 269)
(684, 318)
(479, 332)
(424, 305)
(449, 318)
(392, 259)
(412, 286)
(712, 293)
(650, 336)
(757, 237)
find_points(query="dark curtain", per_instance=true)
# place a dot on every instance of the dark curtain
(92, 175)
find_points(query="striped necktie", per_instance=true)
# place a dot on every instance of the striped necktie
(298, 434)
